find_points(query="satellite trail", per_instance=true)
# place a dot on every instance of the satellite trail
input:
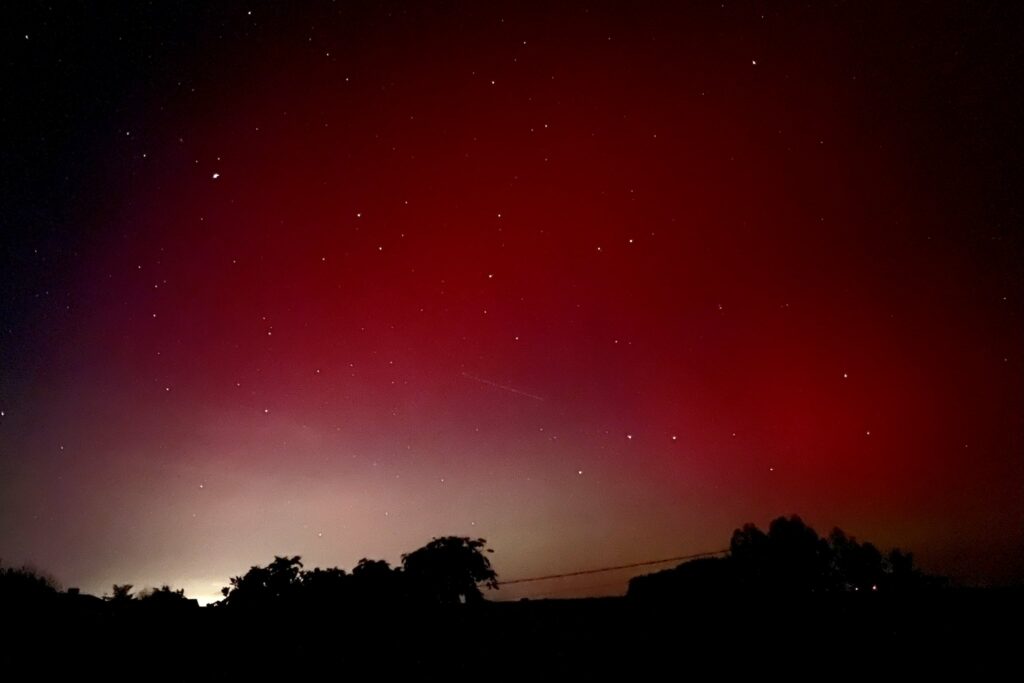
(500, 386)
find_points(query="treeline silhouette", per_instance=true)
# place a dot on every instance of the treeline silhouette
(790, 558)
(446, 571)
(784, 601)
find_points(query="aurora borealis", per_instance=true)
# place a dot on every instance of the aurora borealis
(597, 283)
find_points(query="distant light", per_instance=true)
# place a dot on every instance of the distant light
(216, 175)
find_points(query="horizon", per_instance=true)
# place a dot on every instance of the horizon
(587, 591)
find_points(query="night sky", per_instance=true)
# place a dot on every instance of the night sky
(597, 283)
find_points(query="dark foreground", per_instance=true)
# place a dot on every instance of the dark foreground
(947, 633)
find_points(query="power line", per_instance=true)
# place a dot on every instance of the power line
(681, 558)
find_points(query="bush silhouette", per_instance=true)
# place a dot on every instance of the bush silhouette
(165, 597)
(25, 585)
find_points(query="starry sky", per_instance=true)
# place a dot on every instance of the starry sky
(598, 283)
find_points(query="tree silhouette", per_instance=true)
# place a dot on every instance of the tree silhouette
(790, 558)
(855, 566)
(748, 550)
(449, 570)
(326, 587)
(372, 570)
(798, 559)
(376, 583)
(121, 594)
(277, 583)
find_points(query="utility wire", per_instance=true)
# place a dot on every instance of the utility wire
(681, 558)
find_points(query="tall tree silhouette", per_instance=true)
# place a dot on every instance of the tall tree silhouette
(448, 570)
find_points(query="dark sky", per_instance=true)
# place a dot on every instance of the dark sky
(597, 283)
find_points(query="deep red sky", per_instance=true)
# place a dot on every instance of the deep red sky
(599, 285)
